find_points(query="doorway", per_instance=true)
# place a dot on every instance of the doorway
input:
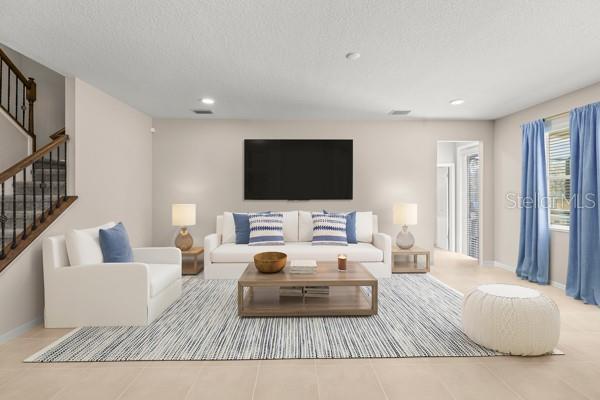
(458, 197)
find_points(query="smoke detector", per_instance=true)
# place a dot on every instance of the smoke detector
(399, 112)
(202, 112)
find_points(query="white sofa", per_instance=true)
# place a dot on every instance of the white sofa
(223, 259)
(108, 294)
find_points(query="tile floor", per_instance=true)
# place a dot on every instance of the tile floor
(575, 375)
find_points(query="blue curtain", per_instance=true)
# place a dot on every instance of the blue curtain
(534, 241)
(583, 279)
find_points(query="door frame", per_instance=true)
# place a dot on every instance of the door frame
(451, 204)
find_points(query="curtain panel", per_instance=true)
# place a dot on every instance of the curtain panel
(534, 242)
(583, 279)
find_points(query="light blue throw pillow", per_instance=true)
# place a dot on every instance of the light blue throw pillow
(114, 244)
(242, 228)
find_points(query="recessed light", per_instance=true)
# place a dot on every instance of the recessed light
(457, 102)
(208, 101)
(353, 56)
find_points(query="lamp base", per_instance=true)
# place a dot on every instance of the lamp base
(184, 241)
(405, 240)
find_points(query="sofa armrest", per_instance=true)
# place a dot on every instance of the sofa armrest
(211, 242)
(384, 242)
(157, 255)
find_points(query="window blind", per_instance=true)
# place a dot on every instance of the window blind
(559, 173)
(473, 214)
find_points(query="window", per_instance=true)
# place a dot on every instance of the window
(559, 172)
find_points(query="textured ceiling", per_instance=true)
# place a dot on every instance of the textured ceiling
(284, 59)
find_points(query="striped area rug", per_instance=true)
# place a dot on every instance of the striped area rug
(418, 317)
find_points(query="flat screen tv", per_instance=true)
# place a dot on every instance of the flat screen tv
(298, 169)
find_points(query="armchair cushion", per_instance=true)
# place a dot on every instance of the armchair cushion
(162, 276)
(115, 246)
(83, 245)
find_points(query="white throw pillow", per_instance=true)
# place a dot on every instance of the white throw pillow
(290, 226)
(305, 226)
(83, 245)
(228, 228)
(364, 226)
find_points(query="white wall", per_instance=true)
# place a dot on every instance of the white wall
(507, 179)
(113, 155)
(13, 142)
(49, 107)
(202, 162)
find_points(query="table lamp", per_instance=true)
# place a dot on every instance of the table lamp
(183, 215)
(405, 214)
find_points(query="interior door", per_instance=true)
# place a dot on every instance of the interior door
(473, 209)
(443, 207)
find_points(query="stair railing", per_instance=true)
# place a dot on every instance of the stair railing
(29, 203)
(17, 95)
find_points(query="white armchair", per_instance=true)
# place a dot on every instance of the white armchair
(108, 294)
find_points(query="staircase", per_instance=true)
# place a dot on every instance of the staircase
(33, 192)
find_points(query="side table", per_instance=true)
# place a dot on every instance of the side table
(412, 265)
(190, 264)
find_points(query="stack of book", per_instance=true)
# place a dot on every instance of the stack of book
(316, 291)
(291, 291)
(303, 266)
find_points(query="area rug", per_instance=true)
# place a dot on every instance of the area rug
(418, 316)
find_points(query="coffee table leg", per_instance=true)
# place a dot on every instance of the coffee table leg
(374, 297)
(240, 299)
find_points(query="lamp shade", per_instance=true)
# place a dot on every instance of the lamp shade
(405, 214)
(183, 214)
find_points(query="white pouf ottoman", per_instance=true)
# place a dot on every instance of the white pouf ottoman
(511, 319)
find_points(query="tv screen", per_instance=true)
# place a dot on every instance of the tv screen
(297, 169)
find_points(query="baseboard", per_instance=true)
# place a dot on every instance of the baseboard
(498, 264)
(19, 330)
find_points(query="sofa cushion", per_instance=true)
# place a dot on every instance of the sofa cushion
(364, 226)
(290, 226)
(329, 229)
(240, 253)
(115, 246)
(83, 245)
(350, 225)
(162, 276)
(305, 226)
(228, 229)
(266, 229)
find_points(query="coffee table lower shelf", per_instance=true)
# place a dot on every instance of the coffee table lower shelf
(341, 301)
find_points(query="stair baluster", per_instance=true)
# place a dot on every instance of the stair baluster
(8, 88)
(65, 178)
(23, 103)
(58, 177)
(51, 208)
(24, 236)
(33, 185)
(14, 207)
(2, 218)
(43, 187)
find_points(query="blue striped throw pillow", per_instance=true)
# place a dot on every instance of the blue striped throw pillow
(329, 229)
(266, 229)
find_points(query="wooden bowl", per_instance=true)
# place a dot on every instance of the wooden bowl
(270, 262)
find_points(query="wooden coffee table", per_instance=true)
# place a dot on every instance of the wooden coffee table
(258, 293)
